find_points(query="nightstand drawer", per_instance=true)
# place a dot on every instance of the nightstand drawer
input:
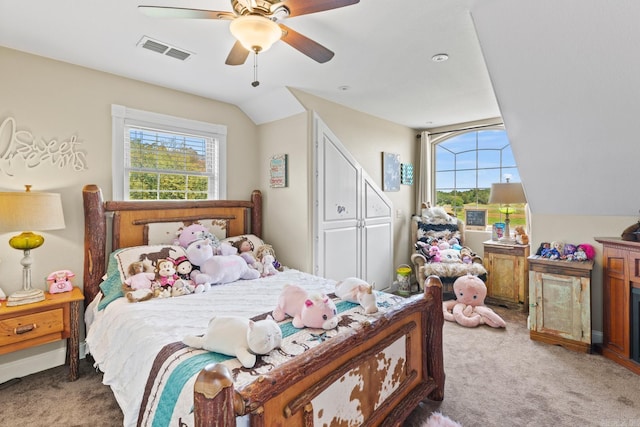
(30, 326)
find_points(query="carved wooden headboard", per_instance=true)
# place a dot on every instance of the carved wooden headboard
(126, 221)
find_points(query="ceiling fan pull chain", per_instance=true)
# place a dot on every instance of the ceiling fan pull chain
(255, 81)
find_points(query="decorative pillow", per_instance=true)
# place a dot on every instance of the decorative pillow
(255, 241)
(118, 266)
(166, 233)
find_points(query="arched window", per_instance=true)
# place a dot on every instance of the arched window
(465, 164)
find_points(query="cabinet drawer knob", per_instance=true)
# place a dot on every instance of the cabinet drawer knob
(24, 329)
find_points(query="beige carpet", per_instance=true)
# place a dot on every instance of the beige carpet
(495, 377)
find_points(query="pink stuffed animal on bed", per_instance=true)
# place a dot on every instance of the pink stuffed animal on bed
(311, 311)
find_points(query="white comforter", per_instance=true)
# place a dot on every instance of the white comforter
(124, 338)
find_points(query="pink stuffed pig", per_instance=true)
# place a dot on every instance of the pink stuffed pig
(317, 311)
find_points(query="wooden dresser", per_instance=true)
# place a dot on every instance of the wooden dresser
(621, 275)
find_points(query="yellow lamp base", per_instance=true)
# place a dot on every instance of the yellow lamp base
(25, 297)
(26, 240)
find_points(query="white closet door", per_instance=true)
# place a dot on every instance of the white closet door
(338, 209)
(353, 225)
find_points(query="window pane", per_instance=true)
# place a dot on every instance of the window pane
(466, 166)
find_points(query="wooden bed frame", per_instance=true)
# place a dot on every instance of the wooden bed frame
(284, 396)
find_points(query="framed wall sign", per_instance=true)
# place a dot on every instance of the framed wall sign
(475, 219)
(390, 172)
(406, 174)
(278, 171)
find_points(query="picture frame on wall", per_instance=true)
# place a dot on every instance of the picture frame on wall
(278, 171)
(390, 171)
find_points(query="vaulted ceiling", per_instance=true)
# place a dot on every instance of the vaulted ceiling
(382, 65)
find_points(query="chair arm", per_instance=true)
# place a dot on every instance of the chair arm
(418, 261)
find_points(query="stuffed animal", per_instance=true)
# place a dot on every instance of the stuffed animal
(240, 337)
(138, 295)
(357, 291)
(312, 311)
(468, 308)
(139, 277)
(267, 257)
(434, 254)
(521, 236)
(166, 273)
(191, 233)
(450, 256)
(217, 269)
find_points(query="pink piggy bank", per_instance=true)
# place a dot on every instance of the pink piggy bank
(311, 311)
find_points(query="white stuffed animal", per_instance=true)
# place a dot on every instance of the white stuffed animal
(357, 291)
(240, 337)
(216, 269)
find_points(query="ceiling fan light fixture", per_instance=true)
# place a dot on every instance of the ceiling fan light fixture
(256, 33)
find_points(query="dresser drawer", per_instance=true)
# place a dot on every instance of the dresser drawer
(31, 326)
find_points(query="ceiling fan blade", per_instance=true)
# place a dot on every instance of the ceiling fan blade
(238, 55)
(179, 12)
(312, 49)
(304, 7)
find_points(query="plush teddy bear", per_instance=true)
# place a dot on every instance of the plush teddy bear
(312, 311)
(240, 337)
(468, 308)
(217, 269)
(357, 291)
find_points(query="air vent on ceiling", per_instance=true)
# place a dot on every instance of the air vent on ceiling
(164, 48)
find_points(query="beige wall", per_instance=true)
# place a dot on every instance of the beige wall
(55, 100)
(287, 218)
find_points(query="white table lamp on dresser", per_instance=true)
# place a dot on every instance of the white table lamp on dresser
(29, 210)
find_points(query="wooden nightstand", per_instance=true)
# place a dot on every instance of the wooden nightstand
(56, 318)
(507, 274)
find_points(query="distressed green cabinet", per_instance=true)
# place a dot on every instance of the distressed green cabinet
(560, 302)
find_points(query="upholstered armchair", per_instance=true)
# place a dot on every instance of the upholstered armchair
(434, 223)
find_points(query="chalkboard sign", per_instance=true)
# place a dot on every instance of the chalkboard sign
(475, 219)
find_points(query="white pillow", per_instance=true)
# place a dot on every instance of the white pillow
(255, 241)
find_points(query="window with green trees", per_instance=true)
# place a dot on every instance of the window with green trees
(158, 157)
(466, 165)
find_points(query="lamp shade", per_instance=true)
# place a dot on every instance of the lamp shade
(507, 193)
(256, 33)
(30, 211)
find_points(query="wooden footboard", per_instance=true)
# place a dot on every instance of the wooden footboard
(379, 373)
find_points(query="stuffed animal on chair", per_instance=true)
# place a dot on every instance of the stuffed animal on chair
(468, 308)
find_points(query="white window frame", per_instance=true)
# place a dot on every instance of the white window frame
(122, 116)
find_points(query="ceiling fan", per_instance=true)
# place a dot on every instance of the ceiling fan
(255, 24)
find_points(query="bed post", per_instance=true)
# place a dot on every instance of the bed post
(95, 235)
(435, 322)
(213, 396)
(256, 213)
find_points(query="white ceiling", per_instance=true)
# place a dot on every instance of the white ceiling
(383, 53)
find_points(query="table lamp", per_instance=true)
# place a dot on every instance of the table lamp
(507, 193)
(29, 210)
